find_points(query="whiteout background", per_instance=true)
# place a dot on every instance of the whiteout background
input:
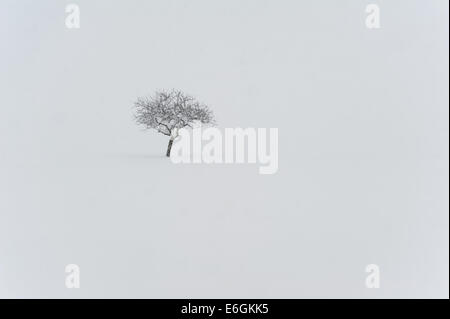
(363, 177)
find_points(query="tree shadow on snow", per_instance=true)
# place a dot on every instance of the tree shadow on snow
(141, 156)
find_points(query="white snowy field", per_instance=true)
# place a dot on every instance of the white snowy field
(140, 226)
(363, 150)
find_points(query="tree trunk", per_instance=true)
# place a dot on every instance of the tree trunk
(169, 147)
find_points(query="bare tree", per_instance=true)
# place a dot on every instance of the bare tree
(167, 112)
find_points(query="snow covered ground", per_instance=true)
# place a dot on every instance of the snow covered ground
(363, 150)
